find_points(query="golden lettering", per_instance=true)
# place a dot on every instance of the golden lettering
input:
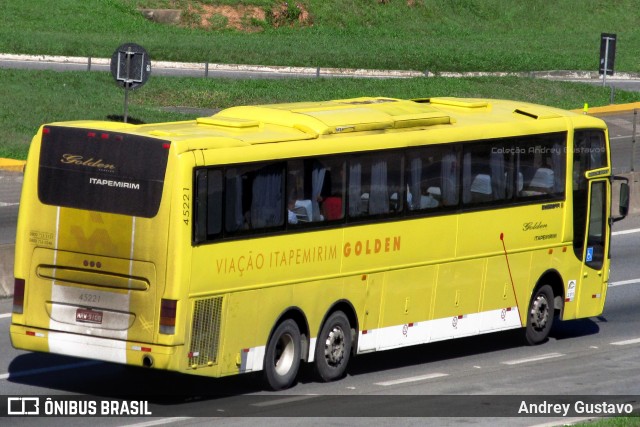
(74, 159)
(372, 246)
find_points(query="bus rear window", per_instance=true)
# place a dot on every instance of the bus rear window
(102, 171)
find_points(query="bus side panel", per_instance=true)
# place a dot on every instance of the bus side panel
(315, 300)
(371, 308)
(396, 245)
(256, 313)
(500, 298)
(407, 301)
(243, 350)
(566, 262)
(29, 236)
(457, 296)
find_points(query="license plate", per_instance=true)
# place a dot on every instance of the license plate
(88, 316)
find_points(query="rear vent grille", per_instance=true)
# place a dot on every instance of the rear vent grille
(205, 332)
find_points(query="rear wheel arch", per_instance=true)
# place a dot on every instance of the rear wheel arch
(554, 279)
(336, 341)
(543, 306)
(297, 315)
(285, 348)
(346, 307)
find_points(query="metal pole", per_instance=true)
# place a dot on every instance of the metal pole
(633, 139)
(612, 96)
(126, 85)
(606, 57)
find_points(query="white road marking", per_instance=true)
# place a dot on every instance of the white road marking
(630, 231)
(5, 315)
(533, 359)
(285, 400)
(412, 379)
(624, 282)
(627, 342)
(158, 422)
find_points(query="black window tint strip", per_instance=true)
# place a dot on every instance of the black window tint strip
(102, 171)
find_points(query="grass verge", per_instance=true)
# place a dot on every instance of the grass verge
(461, 35)
(31, 98)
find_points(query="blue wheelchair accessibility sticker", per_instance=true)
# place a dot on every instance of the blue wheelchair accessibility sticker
(589, 254)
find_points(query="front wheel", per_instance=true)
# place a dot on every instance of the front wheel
(282, 357)
(540, 315)
(333, 348)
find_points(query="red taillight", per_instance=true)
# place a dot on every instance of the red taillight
(168, 308)
(18, 295)
(166, 145)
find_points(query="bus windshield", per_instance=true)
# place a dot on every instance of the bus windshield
(102, 171)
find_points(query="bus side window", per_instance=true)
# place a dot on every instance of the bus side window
(214, 203)
(332, 197)
(207, 219)
(432, 178)
(267, 197)
(375, 185)
(589, 151)
(485, 173)
(541, 166)
(254, 198)
(234, 212)
(316, 189)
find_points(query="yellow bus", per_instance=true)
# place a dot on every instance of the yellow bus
(266, 236)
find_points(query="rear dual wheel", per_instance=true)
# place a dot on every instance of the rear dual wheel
(282, 356)
(333, 348)
(332, 353)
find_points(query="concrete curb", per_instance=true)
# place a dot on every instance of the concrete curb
(346, 72)
(12, 165)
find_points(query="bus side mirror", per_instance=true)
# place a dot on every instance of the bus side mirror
(623, 204)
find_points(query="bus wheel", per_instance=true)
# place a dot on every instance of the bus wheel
(540, 315)
(282, 357)
(333, 348)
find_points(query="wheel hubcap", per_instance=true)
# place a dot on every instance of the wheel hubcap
(334, 347)
(540, 312)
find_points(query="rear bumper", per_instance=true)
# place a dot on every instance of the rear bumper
(96, 348)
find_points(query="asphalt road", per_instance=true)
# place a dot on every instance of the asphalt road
(625, 154)
(10, 187)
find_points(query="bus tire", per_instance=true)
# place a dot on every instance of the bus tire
(540, 315)
(282, 356)
(333, 348)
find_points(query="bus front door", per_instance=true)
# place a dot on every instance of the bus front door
(594, 250)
